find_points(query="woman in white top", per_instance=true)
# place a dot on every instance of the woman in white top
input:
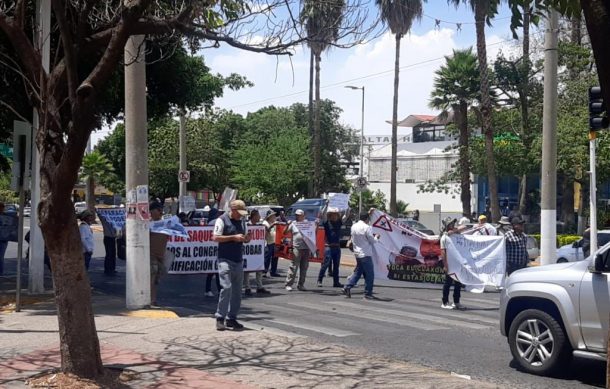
(86, 235)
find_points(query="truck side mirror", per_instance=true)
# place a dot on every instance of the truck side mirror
(600, 263)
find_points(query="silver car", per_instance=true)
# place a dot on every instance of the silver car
(549, 313)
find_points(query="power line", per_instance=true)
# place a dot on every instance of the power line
(368, 76)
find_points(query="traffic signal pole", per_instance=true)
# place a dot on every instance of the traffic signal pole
(593, 192)
(598, 120)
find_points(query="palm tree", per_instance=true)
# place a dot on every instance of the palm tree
(95, 166)
(456, 88)
(399, 16)
(322, 21)
(401, 207)
(484, 11)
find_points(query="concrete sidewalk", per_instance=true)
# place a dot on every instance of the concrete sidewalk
(173, 348)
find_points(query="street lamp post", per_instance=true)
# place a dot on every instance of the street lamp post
(361, 147)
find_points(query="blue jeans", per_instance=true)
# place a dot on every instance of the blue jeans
(3, 244)
(364, 266)
(231, 275)
(87, 259)
(270, 261)
(331, 254)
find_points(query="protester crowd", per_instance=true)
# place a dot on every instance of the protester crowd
(231, 232)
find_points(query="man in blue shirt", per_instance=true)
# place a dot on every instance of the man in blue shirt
(332, 229)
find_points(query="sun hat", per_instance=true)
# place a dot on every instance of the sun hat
(239, 206)
(504, 220)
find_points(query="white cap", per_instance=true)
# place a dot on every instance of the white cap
(299, 212)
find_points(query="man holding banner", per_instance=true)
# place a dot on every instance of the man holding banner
(303, 240)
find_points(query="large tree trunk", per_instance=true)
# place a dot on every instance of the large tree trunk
(394, 163)
(317, 174)
(311, 113)
(597, 16)
(480, 16)
(80, 350)
(91, 194)
(461, 117)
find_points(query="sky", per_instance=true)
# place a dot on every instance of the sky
(282, 81)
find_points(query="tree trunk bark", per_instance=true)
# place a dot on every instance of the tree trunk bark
(394, 163)
(316, 137)
(480, 16)
(311, 113)
(461, 116)
(91, 194)
(597, 16)
(79, 344)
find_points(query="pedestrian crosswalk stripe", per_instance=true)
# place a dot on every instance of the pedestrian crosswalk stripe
(464, 315)
(421, 316)
(304, 326)
(375, 317)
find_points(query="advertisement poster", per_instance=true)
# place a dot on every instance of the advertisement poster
(142, 203)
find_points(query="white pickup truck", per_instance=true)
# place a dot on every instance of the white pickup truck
(553, 312)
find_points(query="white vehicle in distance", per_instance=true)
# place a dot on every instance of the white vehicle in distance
(573, 252)
(80, 207)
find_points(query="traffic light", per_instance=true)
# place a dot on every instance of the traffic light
(598, 117)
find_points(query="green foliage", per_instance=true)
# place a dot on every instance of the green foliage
(97, 167)
(562, 239)
(456, 81)
(370, 200)
(322, 20)
(401, 207)
(337, 144)
(400, 14)
(273, 169)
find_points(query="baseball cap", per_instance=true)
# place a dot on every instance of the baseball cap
(299, 212)
(482, 217)
(239, 206)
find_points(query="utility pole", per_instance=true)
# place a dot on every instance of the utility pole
(593, 193)
(182, 183)
(598, 120)
(136, 162)
(548, 220)
(361, 169)
(36, 245)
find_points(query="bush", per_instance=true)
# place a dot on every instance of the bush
(562, 239)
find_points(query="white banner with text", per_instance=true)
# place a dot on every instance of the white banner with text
(199, 253)
(406, 254)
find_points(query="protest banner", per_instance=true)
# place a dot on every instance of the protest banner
(406, 254)
(115, 217)
(170, 226)
(283, 244)
(198, 253)
(338, 200)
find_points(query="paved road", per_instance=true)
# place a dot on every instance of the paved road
(405, 323)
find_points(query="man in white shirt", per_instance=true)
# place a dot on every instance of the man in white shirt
(362, 240)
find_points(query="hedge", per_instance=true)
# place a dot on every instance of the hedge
(562, 239)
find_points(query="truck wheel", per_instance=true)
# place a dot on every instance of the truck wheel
(562, 260)
(538, 342)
